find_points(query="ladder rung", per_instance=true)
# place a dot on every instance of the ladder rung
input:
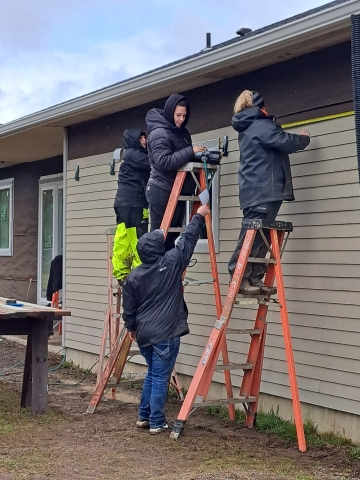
(224, 401)
(261, 260)
(234, 366)
(243, 331)
(189, 198)
(256, 301)
(125, 383)
(176, 229)
(116, 315)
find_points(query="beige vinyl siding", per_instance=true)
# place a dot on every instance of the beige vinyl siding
(89, 212)
(321, 268)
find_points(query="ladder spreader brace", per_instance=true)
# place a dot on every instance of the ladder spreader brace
(208, 364)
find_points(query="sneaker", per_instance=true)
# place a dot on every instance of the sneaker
(143, 424)
(154, 431)
(247, 289)
(264, 288)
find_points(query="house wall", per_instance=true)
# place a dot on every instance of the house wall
(15, 271)
(321, 267)
(322, 261)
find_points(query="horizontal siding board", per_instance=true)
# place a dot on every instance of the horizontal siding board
(302, 174)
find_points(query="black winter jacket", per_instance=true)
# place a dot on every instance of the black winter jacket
(134, 172)
(153, 299)
(169, 147)
(264, 172)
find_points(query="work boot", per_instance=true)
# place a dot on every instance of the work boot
(247, 289)
(264, 288)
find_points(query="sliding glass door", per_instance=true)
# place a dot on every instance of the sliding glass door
(50, 229)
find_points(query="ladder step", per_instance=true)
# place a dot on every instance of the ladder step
(243, 331)
(224, 401)
(189, 198)
(125, 383)
(176, 229)
(261, 260)
(133, 351)
(188, 167)
(191, 281)
(234, 366)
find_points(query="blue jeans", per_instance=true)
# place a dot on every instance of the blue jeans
(160, 359)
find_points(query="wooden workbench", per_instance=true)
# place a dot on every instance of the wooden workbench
(36, 322)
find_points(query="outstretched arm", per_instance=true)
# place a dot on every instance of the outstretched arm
(275, 137)
(180, 255)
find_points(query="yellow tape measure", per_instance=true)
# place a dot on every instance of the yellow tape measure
(318, 119)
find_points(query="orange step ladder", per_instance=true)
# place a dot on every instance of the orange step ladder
(208, 364)
(116, 339)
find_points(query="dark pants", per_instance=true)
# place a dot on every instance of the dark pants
(255, 271)
(132, 217)
(158, 200)
(160, 360)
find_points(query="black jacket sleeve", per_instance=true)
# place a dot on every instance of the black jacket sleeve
(179, 257)
(129, 307)
(140, 160)
(276, 138)
(163, 154)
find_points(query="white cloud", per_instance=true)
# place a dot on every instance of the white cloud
(34, 74)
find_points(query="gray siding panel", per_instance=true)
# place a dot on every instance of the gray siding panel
(321, 268)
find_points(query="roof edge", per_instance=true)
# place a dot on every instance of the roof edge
(206, 62)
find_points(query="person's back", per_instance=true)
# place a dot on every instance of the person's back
(264, 179)
(155, 313)
(134, 171)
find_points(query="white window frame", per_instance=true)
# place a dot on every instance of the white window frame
(50, 182)
(202, 244)
(9, 184)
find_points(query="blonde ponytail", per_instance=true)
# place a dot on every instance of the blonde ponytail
(244, 100)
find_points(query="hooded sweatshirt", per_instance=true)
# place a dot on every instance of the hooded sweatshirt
(169, 147)
(134, 172)
(153, 298)
(264, 172)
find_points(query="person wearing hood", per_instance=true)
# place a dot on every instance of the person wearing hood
(155, 313)
(131, 207)
(170, 148)
(264, 178)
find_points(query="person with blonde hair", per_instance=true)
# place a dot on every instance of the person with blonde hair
(264, 178)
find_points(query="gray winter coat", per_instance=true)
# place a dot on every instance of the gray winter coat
(169, 147)
(264, 172)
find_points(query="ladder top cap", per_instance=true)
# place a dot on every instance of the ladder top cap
(259, 224)
(188, 167)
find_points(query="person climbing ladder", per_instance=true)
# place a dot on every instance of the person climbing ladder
(131, 207)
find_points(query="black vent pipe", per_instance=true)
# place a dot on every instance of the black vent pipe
(355, 66)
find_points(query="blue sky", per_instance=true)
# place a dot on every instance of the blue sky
(55, 50)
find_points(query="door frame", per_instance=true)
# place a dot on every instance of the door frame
(49, 182)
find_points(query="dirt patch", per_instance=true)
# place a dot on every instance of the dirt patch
(70, 444)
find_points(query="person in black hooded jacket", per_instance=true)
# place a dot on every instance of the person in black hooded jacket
(264, 178)
(169, 147)
(131, 207)
(155, 313)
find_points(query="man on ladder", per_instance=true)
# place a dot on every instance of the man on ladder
(155, 313)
